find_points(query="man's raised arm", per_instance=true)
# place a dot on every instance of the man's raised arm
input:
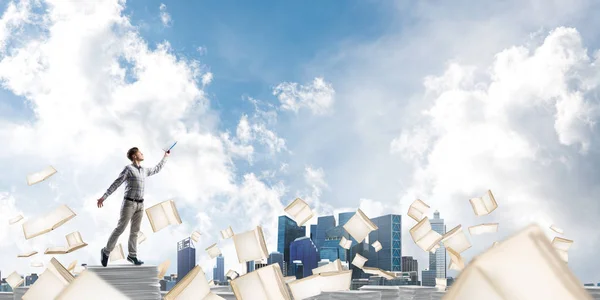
(113, 187)
(152, 171)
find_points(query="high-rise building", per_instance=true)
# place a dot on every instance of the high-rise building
(249, 266)
(258, 265)
(186, 257)
(428, 278)
(409, 264)
(389, 235)
(331, 249)
(219, 269)
(287, 231)
(437, 260)
(276, 257)
(304, 250)
(323, 225)
(29, 280)
(361, 248)
(313, 232)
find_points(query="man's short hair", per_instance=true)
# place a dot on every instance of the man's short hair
(131, 153)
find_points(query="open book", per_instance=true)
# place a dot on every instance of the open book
(14, 280)
(162, 268)
(556, 229)
(36, 264)
(499, 274)
(195, 236)
(359, 226)
(54, 279)
(359, 261)
(90, 286)
(213, 250)
(324, 282)
(379, 272)
(424, 236)
(418, 210)
(483, 228)
(299, 211)
(377, 246)
(40, 176)
(192, 286)
(441, 284)
(141, 237)
(562, 246)
(48, 222)
(333, 266)
(484, 205)
(74, 242)
(227, 233)
(117, 253)
(162, 215)
(27, 254)
(232, 274)
(456, 239)
(266, 283)
(345, 243)
(250, 245)
(15, 219)
(457, 263)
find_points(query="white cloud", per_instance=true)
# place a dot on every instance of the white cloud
(317, 96)
(165, 17)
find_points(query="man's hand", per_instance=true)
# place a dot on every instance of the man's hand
(167, 153)
(100, 202)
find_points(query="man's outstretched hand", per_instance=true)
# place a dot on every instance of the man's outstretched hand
(167, 153)
(100, 202)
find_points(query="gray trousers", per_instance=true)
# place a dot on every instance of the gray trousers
(130, 211)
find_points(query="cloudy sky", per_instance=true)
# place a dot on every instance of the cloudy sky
(346, 104)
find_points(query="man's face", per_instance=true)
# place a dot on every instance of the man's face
(139, 156)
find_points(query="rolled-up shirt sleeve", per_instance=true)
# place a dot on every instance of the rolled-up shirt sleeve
(152, 171)
(115, 185)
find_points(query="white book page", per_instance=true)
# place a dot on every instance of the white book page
(158, 217)
(249, 287)
(46, 287)
(247, 246)
(197, 289)
(90, 286)
(271, 281)
(306, 287)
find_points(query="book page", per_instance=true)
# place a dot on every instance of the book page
(117, 253)
(48, 222)
(40, 176)
(232, 274)
(195, 236)
(424, 236)
(15, 220)
(483, 228)
(377, 246)
(492, 275)
(379, 272)
(193, 286)
(72, 266)
(55, 250)
(90, 286)
(60, 271)
(333, 266)
(306, 287)
(456, 239)
(162, 268)
(299, 211)
(250, 245)
(27, 254)
(359, 261)
(141, 237)
(213, 251)
(556, 229)
(157, 217)
(359, 226)
(171, 212)
(484, 205)
(74, 241)
(456, 261)
(418, 210)
(345, 243)
(46, 287)
(440, 284)
(272, 282)
(562, 243)
(249, 287)
(227, 233)
(14, 280)
(37, 264)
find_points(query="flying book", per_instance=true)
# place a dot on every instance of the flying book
(15, 219)
(379, 272)
(72, 266)
(14, 280)
(556, 229)
(324, 282)
(457, 263)
(195, 236)
(213, 250)
(424, 236)
(48, 222)
(74, 242)
(37, 264)
(87, 285)
(456, 239)
(117, 253)
(162, 268)
(78, 270)
(483, 228)
(40, 176)
(232, 274)
(27, 254)
(492, 275)
(359, 261)
(162, 215)
(345, 243)
(333, 266)
(227, 233)
(484, 205)
(562, 246)
(192, 286)
(141, 237)
(52, 281)
(299, 211)
(359, 226)
(266, 283)
(441, 284)
(418, 210)
(377, 246)
(250, 245)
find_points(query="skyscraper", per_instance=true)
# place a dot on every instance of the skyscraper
(409, 264)
(249, 266)
(389, 234)
(304, 250)
(331, 249)
(219, 269)
(186, 257)
(313, 232)
(323, 225)
(437, 260)
(287, 231)
(276, 257)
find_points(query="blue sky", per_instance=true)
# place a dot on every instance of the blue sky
(379, 103)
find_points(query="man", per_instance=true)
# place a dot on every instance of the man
(132, 208)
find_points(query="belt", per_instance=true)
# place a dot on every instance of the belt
(134, 200)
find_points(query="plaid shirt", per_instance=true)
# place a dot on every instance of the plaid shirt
(134, 178)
